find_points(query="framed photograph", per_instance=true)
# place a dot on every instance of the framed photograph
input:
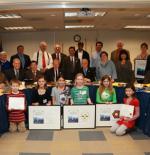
(79, 116)
(127, 110)
(139, 68)
(16, 103)
(44, 117)
(107, 114)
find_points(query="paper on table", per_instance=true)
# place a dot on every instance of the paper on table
(127, 110)
(16, 103)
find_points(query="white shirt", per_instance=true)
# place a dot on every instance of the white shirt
(48, 59)
(80, 54)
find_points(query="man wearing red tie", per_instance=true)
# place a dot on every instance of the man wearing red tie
(43, 58)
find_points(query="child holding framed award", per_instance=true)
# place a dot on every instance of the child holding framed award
(129, 114)
(80, 93)
(16, 107)
(106, 93)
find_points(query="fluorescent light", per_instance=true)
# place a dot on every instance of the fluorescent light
(84, 14)
(78, 26)
(137, 27)
(19, 28)
(9, 16)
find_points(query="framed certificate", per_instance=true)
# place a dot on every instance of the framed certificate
(44, 117)
(79, 116)
(127, 110)
(16, 103)
(139, 68)
(107, 114)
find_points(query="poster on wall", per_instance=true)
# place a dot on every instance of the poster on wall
(107, 114)
(79, 116)
(44, 117)
(139, 69)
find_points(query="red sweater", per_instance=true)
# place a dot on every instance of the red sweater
(16, 115)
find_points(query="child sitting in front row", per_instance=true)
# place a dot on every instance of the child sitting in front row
(80, 93)
(125, 123)
(106, 93)
(16, 117)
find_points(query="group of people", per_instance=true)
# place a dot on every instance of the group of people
(80, 68)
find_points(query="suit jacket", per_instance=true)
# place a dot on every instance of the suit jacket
(90, 74)
(50, 75)
(69, 72)
(26, 58)
(84, 56)
(10, 74)
(63, 59)
(30, 75)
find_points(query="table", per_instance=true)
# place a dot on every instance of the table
(143, 122)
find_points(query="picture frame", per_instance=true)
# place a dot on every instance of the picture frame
(79, 116)
(139, 68)
(16, 103)
(107, 114)
(45, 117)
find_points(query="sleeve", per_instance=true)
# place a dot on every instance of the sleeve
(114, 96)
(50, 65)
(98, 97)
(114, 73)
(34, 96)
(48, 91)
(136, 102)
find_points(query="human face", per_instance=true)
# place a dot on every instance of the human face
(57, 48)
(33, 66)
(4, 57)
(129, 92)
(106, 83)
(16, 64)
(61, 82)
(120, 45)
(85, 63)
(79, 81)
(56, 64)
(123, 56)
(99, 47)
(20, 50)
(43, 47)
(71, 52)
(143, 49)
(104, 57)
(41, 83)
(15, 87)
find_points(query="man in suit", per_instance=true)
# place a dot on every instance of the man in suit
(24, 58)
(82, 54)
(88, 72)
(72, 65)
(59, 55)
(15, 72)
(52, 74)
(33, 73)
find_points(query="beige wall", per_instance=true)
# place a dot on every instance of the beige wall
(131, 39)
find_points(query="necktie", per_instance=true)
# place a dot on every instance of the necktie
(56, 75)
(85, 71)
(22, 60)
(72, 61)
(17, 74)
(57, 56)
(43, 61)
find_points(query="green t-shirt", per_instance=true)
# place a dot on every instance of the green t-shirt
(80, 95)
(106, 96)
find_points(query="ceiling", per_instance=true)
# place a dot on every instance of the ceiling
(51, 17)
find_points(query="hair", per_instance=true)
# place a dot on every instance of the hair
(19, 46)
(144, 44)
(33, 61)
(130, 85)
(72, 47)
(123, 52)
(77, 75)
(99, 42)
(80, 43)
(41, 77)
(14, 81)
(103, 52)
(102, 87)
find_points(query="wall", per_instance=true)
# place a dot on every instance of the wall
(131, 39)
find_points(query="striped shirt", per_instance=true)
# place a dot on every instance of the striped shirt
(15, 115)
(80, 95)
